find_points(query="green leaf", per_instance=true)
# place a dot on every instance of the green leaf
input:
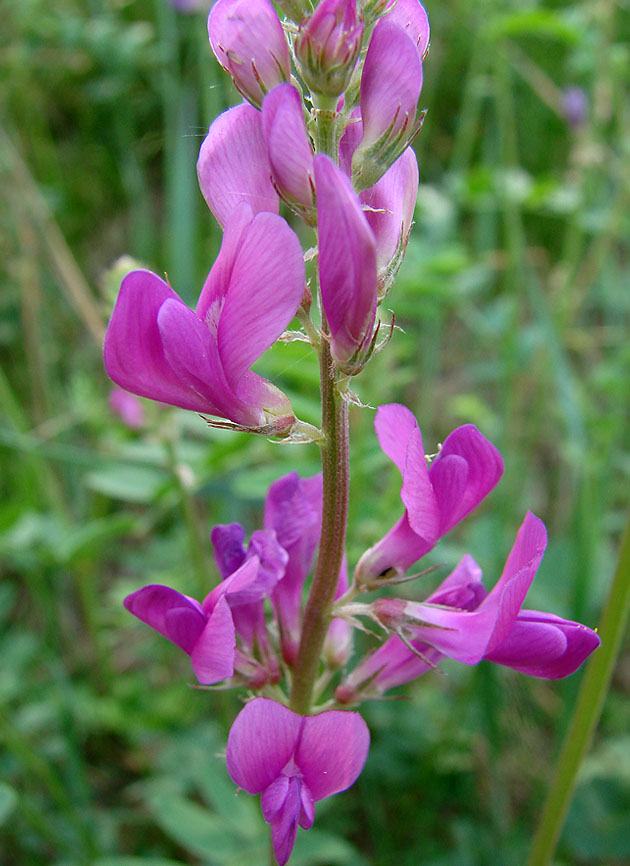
(8, 801)
(135, 861)
(193, 827)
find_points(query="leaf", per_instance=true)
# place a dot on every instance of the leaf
(129, 483)
(8, 801)
(135, 861)
(195, 828)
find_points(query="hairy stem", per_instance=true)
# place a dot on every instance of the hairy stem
(334, 449)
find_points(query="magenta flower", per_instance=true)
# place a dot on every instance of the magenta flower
(294, 761)
(249, 43)
(328, 44)
(233, 164)
(157, 347)
(412, 17)
(390, 88)
(288, 144)
(337, 649)
(347, 266)
(466, 469)
(293, 508)
(129, 409)
(462, 621)
(388, 205)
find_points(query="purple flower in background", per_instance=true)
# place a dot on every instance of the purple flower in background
(249, 43)
(390, 88)
(466, 469)
(294, 761)
(575, 106)
(347, 266)
(465, 622)
(288, 144)
(159, 348)
(189, 5)
(328, 44)
(412, 17)
(233, 164)
(129, 409)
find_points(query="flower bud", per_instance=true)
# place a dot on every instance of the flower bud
(328, 45)
(390, 88)
(248, 41)
(289, 148)
(412, 17)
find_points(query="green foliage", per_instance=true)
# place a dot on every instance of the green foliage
(515, 305)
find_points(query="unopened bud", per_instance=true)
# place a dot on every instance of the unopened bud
(328, 44)
(249, 43)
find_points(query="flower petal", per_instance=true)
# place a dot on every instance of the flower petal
(233, 164)
(332, 751)
(399, 437)
(544, 645)
(412, 17)
(265, 289)
(390, 83)
(347, 261)
(248, 41)
(212, 657)
(467, 468)
(229, 553)
(468, 636)
(176, 616)
(290, 150)
(261, 741)
(391, 202)
(134, 352)
(192, 353)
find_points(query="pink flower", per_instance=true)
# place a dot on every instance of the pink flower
(390, 88)
(249, 43)
(288, 145)
(328, 44)
(461, 620)
(347, 266)
(127, 407)
(294, 761)
(388, 205)
(412, 17)
(233, 164)
(157, 347)
(466, 469)
(293, 508)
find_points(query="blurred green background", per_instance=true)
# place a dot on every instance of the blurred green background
(515, 302)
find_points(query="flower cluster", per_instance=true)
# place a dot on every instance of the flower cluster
(328, 141)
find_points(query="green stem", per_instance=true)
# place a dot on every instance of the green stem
(588, 710)
(333, 535)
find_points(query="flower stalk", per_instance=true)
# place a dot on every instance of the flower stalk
(317, 615)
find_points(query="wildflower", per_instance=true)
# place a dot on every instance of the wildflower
(328, 44)
(233, 164)
(248, 41)
(127, 407)
(288, 144)
(157, 347)
(412, 17)
(465, 622)
(466, 469)
(388, 205)
(347, 266)
(575, 106)
(293, 509)
(390, 88)
(294, 761)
